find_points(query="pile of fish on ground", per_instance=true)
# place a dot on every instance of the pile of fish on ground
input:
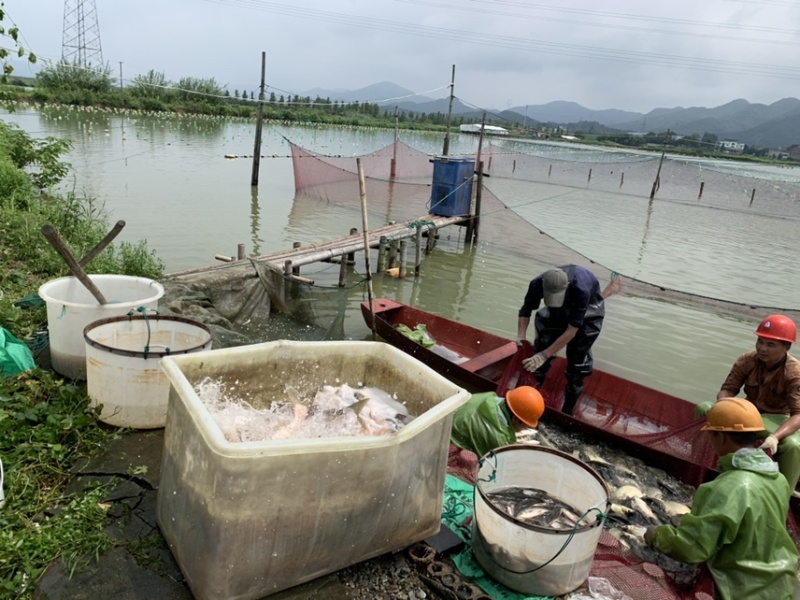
(332, 411)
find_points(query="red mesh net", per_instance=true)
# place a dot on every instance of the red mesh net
(398, 179)
(646, 581)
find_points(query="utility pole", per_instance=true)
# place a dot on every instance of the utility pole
(446, 148)
(259, 121)
(120, 74)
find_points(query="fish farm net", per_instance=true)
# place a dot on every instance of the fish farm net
(398, 182)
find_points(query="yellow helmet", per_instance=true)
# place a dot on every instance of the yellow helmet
(733, 414)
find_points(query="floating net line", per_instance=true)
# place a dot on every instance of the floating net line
(334, 180)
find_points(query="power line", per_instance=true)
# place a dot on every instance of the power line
(599, 24)
(634, 17)
(560, 48)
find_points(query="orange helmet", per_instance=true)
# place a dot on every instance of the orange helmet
(526, 403)
(733, 414)
(778, 327)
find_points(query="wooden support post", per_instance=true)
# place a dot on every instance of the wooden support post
(621, 178)
(392, 254)
(403, 268)
(489, 166)
(259, 124)
(657, 180)
(296, 270)
(752, 196)
(446, 146)
(478, 193)
(383, 248)
(287, 267)
(240, 254)
(393, 164)
(351, 257)
(549, 171)
(590, 176)
(343, 271)
(362, 188)
(431, 240)
(702, 185)
(418, 257)
(514, 166)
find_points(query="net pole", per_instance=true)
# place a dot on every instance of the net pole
(362, 188)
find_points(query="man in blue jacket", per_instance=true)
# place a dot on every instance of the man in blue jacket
(572, 316)
(738, 521)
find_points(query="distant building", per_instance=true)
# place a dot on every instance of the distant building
(730, 147)
(487, 129)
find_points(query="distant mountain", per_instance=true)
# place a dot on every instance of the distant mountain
(774, 125)
(571, 112)
(376, 92)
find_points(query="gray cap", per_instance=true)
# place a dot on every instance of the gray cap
(555, 282)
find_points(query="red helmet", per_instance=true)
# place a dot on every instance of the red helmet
(778, 327)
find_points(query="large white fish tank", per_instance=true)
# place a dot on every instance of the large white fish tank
(248, 519)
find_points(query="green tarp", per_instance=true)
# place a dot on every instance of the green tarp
(458, 509)
(15, 356)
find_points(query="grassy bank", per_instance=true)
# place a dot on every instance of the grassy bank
(46, 424)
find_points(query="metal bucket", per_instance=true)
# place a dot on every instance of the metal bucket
(535, 560)
(122, 365)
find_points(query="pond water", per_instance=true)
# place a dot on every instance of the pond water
(168, 178)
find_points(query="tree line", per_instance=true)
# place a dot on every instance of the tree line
(66, 83)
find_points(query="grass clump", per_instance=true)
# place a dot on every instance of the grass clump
(46, 424)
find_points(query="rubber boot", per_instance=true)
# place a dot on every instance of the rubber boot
(570, 400)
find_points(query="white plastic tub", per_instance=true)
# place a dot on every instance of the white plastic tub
(534, 560)
(71, 307)
(245, 520)
(122, 365)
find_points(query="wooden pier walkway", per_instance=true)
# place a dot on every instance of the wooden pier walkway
(290, 260)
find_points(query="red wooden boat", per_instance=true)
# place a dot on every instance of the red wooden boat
(654, 426)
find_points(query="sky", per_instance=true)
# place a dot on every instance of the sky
(622, 54)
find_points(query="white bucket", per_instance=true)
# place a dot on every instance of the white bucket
(71, 307)
(526, 558)
(122, 365)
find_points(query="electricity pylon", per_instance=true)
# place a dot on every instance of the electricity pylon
(80, 43)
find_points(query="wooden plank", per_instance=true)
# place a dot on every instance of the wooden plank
(484, 360)
(326, 250)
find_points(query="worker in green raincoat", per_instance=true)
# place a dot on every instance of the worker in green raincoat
(738, 521)
(488, 421)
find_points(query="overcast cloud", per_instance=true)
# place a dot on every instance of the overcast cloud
(613, 54)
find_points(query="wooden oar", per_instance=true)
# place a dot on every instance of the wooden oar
(58, 244)
(101, 245)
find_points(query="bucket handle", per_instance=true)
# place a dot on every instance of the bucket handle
(143, 310)
(556, 555)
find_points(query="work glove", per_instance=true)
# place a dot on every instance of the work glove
(770, 444)
(535, 362)
(520, 339)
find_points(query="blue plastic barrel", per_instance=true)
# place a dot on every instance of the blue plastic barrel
(451, 190)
